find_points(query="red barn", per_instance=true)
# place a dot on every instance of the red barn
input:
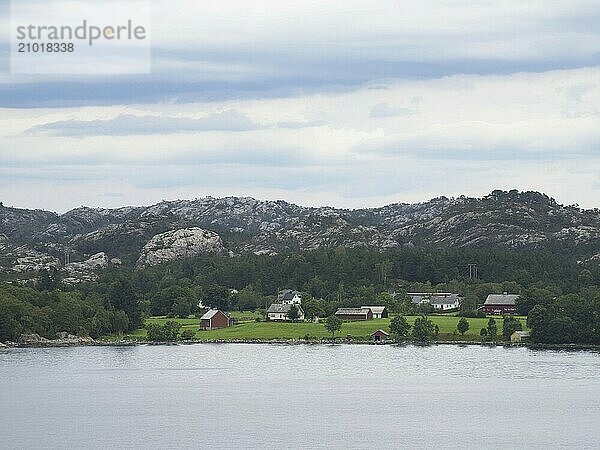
(500, 304)
(213, 319)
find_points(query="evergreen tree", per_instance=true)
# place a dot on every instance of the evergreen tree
(333, 325)
(423, 329)
(492, 330)
(462, 326)
(510, 324)
(293, 314)
(122, 297)
(399, 327)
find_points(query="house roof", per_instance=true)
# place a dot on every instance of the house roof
(211, 313)
(279, 308)
(417, 298)
(352, 311)
(289, 295)
(427, 294)
(501, 299)
(375, 309)
(283, 292)
(379, 331)
(446, 300)
(282, 308)
(439, 298)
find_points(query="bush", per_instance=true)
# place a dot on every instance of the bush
(163, 333)
(424, 309)
(510, 325)
(483, 333)
(399, 327)
(462, 326)
(424, 329)
(187, 335)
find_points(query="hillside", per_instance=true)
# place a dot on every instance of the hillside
(91, 238)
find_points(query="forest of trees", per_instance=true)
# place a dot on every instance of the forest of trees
(554, 289)
(26, 310)
(567, 318)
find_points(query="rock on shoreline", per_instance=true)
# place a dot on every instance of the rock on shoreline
(64, 339)
(32, 340)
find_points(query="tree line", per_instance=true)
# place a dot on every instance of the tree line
(346, 277)
(556, 318)
(27, 310)
(329, 278)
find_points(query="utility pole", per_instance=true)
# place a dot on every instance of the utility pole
(473, 271)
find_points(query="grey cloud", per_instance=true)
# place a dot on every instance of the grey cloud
(475, 152)
(546, 36)
(11, 175)
(357, 182)
(111, 195)
(298, 125)
(387, 110)
(127, 125)
(238, 176)
(250, 153)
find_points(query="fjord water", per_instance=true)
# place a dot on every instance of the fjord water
(303, 396)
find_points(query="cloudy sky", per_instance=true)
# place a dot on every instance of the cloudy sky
(346, 103)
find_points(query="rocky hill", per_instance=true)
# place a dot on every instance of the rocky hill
(84, 240)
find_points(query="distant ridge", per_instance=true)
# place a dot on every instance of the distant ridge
(32, 239)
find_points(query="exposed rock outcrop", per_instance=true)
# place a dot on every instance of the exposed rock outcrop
(28, 260)
(94, 262)
(32, 240)
(63, 339)
(182, 243)
(86, 270)
(33, 339)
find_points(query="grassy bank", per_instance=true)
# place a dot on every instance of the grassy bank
(276, 330)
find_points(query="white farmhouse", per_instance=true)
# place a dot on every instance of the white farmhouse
(441, 301)
(289, 297)
(278, 312)
(445, 302)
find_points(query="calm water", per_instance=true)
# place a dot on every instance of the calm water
(268, 396)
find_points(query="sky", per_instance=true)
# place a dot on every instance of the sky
(343, 103)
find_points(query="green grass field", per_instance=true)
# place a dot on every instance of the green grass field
(245, 316)
(279, 330)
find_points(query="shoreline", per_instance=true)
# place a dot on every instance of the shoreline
(88, 342)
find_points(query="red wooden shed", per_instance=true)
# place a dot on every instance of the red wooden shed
(213, 319)
(380, 336)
